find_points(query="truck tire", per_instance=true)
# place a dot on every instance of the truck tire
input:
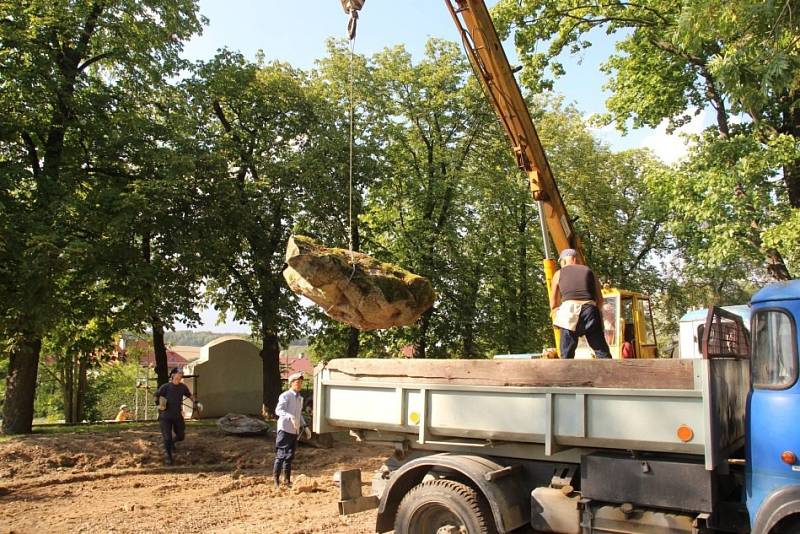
(443, 507)
(787, 525)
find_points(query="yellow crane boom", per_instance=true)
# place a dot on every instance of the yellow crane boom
(492, 67)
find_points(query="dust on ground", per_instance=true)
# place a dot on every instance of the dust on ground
(115, 482)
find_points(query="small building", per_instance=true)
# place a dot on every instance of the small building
(229, 377)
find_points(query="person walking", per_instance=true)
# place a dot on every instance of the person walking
(290, 422)
(576, 299)
(169, 398)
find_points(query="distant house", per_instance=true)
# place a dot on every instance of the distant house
(295, 359)
(178, 356)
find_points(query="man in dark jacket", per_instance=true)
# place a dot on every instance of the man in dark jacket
(169, 398)
(576, 299)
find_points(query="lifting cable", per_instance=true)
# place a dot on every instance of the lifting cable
(351, 7)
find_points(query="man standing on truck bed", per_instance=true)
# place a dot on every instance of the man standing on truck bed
(576, 298)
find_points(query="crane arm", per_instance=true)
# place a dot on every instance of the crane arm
(491, 65)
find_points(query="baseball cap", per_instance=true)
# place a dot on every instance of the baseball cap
(568, 253)
(296, 376)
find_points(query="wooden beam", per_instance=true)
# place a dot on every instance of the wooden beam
(632, 374)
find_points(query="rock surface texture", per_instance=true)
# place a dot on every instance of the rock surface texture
(354, 288)
(242, 425)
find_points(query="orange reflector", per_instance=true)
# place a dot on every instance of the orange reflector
(788, 457)
(685, 433)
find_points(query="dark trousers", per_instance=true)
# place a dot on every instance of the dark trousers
(590, 324)
(285, 445)
(168, 424)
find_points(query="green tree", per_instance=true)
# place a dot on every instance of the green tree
(62, 62)
(256, 119)
(431, 115)
(739, 59)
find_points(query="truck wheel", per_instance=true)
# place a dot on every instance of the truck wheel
(788, 525)
(443, 507)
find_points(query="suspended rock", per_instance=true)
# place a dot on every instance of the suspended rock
(242, 425)
(354, 288)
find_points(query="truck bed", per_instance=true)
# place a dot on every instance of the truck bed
(537, 408)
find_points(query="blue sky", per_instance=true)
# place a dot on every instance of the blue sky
(295, 32)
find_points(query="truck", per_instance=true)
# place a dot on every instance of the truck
(583, 446)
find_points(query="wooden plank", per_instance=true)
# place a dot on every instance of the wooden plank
(631, 374)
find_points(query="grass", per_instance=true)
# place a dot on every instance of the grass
(97, 428)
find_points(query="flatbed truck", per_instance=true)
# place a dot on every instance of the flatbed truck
(584, 446)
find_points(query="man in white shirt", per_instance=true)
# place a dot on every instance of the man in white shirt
(290, 422)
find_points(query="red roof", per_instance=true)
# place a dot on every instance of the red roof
(294, 364)
(173, 359)
(147, 357)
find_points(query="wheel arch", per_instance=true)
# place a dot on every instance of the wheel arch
(780, 504)
(503, 494)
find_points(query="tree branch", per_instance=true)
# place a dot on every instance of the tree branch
(33, 154)
(93, 60)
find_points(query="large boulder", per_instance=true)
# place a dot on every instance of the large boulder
(242, 425)
(354, 288)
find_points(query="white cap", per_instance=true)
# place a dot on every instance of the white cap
(295, 376)
(567, 253)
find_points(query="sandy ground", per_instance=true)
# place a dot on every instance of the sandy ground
(115, 482)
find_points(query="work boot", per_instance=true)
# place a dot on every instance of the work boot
(168, 453)
(276, 474)
(287, 478)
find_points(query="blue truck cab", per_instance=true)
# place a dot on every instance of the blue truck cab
(772, 475)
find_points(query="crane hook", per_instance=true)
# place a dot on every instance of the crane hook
(352, 7)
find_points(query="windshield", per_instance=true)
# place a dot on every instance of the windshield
(774, 358)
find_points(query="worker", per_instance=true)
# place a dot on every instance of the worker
(124, 414)
(576, 299)
(169, 398)
(290, 423)
(628, 350)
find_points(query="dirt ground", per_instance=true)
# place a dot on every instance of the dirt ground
(115, 482)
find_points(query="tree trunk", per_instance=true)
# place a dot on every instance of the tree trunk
(159, 351)
(353, 342)
(791, 175)
(271, 372)
(791, 172)
(81, 383)
(420, 342)
(776, 266)
(68, 388)
(21, 386)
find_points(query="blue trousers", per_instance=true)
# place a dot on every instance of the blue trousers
(590, 324)
(285, 445)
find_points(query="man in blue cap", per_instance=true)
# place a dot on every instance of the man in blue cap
(576, 299)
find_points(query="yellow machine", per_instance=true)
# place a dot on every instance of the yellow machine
(627, 315)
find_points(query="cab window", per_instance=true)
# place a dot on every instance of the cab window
(647, 315)
(610, 309)
(774, 358)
